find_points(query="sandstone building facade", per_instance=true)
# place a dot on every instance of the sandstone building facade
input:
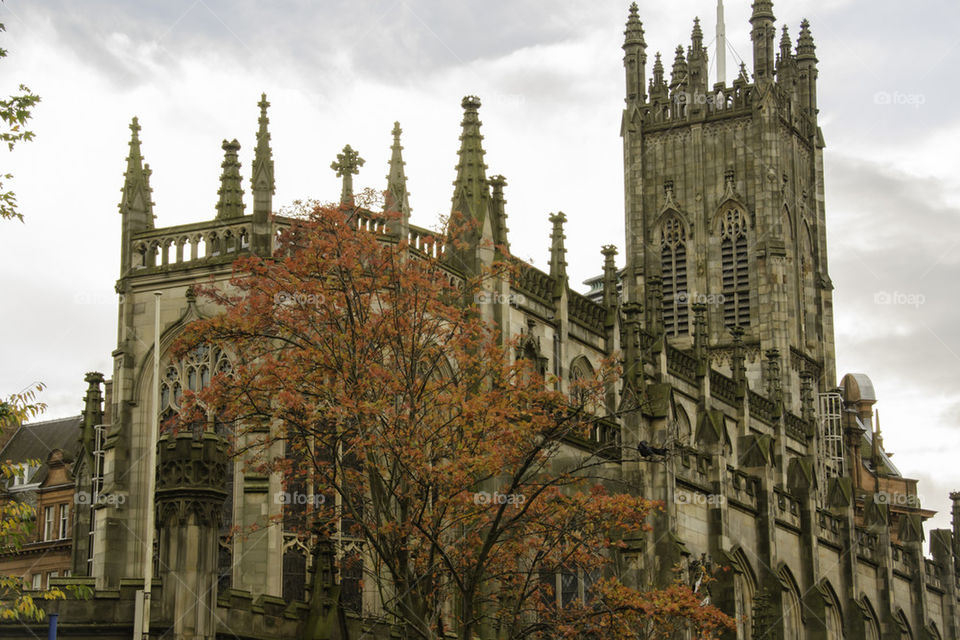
(722, 310)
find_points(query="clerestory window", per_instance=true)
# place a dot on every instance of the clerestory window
(735, 271)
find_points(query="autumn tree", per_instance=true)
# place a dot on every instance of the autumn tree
(362, 371)
(14, 113)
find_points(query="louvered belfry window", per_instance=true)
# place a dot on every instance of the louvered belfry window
(735, 269)
(673, 267)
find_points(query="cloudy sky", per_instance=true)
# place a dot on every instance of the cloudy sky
(550, 77)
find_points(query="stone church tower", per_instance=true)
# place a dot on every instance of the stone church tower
(724, 202)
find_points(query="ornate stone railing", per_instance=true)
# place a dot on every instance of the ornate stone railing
(829, 528)
(742, 487)
(586, 312)
(603, 439)
(762, 409)
(796, 427)
(681, 364)
(903, 561)
(681, 105)
(723, 388)
(187, 244)
(425, 241)
(868, 545)
(788, 509)
(533, 282)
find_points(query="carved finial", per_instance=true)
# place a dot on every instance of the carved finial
(136, 191)
(498, 221)
(738, 362)
(397, 198)
(470, 187)
(697, 36)
(774, 382)
(808, 409)
(679, 74)
(634, 32)
(611, 295)
(230, 204)
(558, 254)
(806, 49)
(785, 46)
(261, 180)
(655, 306)
(347, 165)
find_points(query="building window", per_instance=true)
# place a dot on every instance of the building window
(51, 575)
(64, 521)
(735, 271)
(673, 267)
(36, 581)
(567, 586)
(193, 373)
(792, 623)
(743, 599)
(22, 474)
(834, 623)
(48, 523)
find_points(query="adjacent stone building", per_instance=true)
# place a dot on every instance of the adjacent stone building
(722, 312)
(44, 452)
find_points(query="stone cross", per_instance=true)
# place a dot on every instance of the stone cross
(346, 165)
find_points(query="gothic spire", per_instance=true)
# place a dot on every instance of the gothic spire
(658, 86)
(397, 196)
(785, 46)
(679, 74)
(762, 35)
(346, 165)
(470, 194)
(498, 222)
(558, 255)
(807, 69)
(135, 201)
(231, 184)
(806, 50)
(472, 233)
(635, 57)
(261, 179)
(696, 38)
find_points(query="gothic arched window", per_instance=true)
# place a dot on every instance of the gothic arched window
(580, 372)
(684, 427)
(673, 267)
(735, 268)
(904, 625)
(743, 594)
(792, 615)
(833, 618)
(192, 373)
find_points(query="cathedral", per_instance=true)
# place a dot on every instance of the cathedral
(720, 308)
